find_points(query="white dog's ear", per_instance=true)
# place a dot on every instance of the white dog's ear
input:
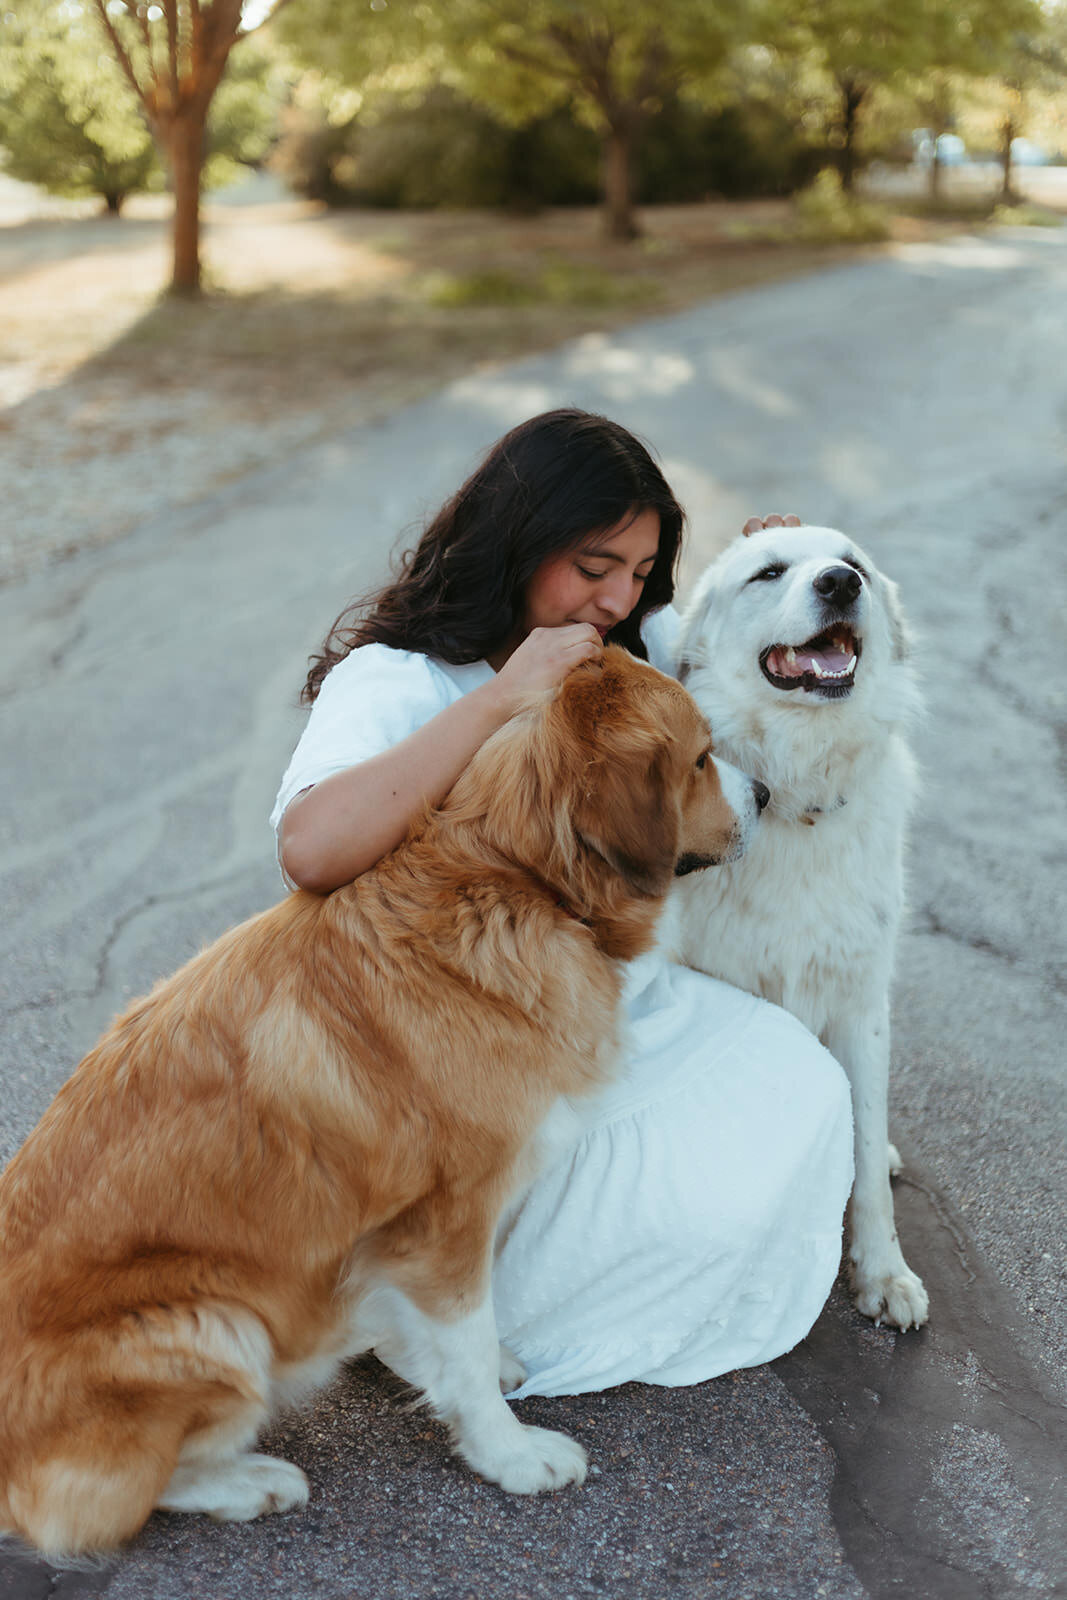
(689, 646)
(901, 636)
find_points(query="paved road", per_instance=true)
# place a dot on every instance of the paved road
(147, 699)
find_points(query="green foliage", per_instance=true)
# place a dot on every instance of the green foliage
(243, 122)
(690, 152)
(436, 148)
(852, 56)
(432, 149)
(67, 120)
(520, 58)
(70, 122)
(611, 62)
(826, 214)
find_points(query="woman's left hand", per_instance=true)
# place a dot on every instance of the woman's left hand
(754, 524)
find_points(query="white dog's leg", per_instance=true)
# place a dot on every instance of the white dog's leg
(883, 1285)
(512, 1371)
(458, 1365)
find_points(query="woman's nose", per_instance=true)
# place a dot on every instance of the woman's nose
(617, 597)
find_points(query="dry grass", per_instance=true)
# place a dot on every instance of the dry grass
(314, 321)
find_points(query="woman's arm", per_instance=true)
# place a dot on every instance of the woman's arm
(348, 822)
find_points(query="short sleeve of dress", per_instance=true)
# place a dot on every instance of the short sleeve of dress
(660, 633)
(368, 702)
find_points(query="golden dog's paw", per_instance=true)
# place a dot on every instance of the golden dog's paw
(896, 1297)
(236, 1490)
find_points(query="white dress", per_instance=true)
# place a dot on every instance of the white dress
(696, 1228)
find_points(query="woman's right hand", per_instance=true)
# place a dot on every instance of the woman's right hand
(545, 657)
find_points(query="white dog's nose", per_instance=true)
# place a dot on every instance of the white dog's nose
(838, 584)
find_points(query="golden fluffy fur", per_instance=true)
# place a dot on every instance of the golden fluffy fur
(336, 1099)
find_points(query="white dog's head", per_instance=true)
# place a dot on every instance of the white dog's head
(797, 615)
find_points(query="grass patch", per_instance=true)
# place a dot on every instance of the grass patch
(1026, 216)
(823, 214)
(558, 282)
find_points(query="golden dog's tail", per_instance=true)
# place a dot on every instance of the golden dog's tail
(94, 1421)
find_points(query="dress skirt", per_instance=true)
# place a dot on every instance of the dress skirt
(696, 1226)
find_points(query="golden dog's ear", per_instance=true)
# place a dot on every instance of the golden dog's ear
(628, 818)
(621, 804)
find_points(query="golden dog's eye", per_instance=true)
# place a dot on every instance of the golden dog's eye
(702, 761)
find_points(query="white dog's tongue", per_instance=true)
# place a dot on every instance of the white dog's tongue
(786, 662)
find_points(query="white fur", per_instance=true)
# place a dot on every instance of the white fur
(808, 918)
(459, 1365)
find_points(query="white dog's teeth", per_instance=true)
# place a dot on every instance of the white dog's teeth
(819, 673)
(851, 665)
(791, 655)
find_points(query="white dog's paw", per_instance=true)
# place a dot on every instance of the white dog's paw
(896, 1297)
(896, 1165)
(512, 1371)
(539, 1460)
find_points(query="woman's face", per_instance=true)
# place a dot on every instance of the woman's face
(599, 581)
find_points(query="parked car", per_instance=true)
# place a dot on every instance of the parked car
(950, 148)
(1025, 153)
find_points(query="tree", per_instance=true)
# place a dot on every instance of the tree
(1030, 82)
(977, 39)
(614, 61)
(862, 45)
(66, 121)
(173, 54)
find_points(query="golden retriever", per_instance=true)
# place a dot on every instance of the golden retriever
(299, 1146)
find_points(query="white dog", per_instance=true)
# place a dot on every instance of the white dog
(795, 649)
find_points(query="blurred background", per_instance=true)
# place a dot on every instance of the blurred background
(226, 230)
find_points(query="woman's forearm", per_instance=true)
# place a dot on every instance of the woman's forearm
(348, 822)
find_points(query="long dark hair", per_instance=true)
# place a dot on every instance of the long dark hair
(542, 489)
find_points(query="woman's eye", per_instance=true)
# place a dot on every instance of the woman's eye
(767, 574)
(593, 576)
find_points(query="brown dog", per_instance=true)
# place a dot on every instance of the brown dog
(299, 1146)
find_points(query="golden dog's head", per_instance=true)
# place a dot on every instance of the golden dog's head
(607, 790)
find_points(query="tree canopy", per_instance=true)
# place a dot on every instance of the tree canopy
(67, 121)
(614, 61)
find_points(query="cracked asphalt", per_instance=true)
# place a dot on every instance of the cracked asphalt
(147, 706)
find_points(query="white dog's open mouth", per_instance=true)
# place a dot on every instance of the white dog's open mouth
(826, 662)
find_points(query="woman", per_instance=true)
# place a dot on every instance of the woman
(697, 1226)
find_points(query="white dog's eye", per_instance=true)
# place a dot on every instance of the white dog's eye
(767, 574)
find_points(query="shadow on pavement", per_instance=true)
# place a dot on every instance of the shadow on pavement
(950, 1453)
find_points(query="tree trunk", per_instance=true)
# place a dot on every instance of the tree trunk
(185, 150)
(935, 177)
(113, 202)
(1007, 134)
(619, 219)
(853, 99)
